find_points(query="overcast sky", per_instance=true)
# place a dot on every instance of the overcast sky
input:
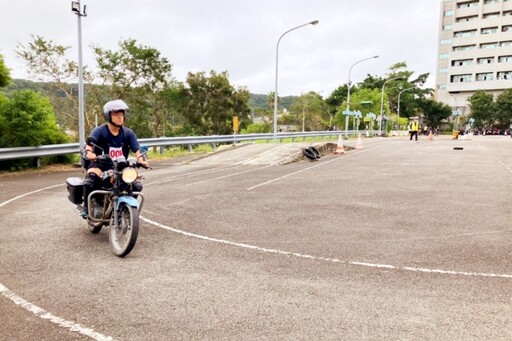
(240, 37)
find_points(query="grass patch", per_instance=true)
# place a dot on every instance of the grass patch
(157, 153)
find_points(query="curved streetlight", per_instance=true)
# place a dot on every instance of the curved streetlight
(80, 12)
(456, 105)
(348, 91)
(400, 93)
(314, 22)
(382, 102)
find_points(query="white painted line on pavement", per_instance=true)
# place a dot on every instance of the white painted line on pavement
(326, 259)
(227, 176)
(41, 313)
(29, 193)
(305, 169)
(187, 175)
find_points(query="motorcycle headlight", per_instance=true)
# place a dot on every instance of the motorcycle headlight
(129, 175)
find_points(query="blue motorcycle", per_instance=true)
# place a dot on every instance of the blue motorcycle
(115, 204)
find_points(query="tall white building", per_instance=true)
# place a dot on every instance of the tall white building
(474, 50)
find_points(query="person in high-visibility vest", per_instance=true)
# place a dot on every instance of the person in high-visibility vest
(413, 130)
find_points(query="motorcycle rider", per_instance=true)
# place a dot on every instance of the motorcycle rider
(114, 139)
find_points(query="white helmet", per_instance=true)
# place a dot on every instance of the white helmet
(115, 105)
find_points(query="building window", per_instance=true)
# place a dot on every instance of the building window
(448, 27)
(489, 30)
(505, 59)
(444, 56)
(470, 18)
(443, 70)
(461, 34)
(488, 45)
(460, 78)
(506, 28)
(445, 41)
(442, 87)
(448, 13)
(467, 4)
(462, 62)
(487, 76)
(491, 15)
(485, 60)
(464, 48)
(505, 75)
(505, 43)
(487, 2)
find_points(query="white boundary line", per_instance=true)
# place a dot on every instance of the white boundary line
(187, 175)
(305, 169)
(41, 313)
(29, 193)
(326, 259)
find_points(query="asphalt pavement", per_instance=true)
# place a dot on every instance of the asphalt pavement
(395, 240)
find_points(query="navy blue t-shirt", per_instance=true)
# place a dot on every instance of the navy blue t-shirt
(115, 146)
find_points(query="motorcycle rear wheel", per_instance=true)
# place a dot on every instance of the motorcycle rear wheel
(122, 239)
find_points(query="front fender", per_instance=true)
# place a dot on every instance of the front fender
(128, 200)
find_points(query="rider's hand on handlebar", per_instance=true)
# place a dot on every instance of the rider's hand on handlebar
(89, 155)
(143, 163)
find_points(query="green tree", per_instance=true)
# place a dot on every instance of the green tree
(366, 101)
(503, 106)
(209, 104)
(310, 112)
(338, 96)
(434, 112)
(28, 120)
(46, 62)
(482, 108)
(142, 77)
(257, 128)
(408, 104)
(5, 77)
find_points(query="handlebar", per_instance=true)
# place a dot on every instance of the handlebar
(106, 159)
(140, 165)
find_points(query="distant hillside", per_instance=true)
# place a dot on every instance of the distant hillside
(258, 101)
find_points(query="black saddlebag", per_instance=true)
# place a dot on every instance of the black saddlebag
(75, 190)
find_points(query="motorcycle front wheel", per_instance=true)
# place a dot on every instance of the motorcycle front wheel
(123, 237)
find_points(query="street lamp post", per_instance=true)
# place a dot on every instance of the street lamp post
(348, 90)
(455, 113)
(382, 102)
(80, 12)
(456, 105)
(314, 22)
(400, 93)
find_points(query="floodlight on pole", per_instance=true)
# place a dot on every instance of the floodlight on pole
(348, 91)
(314, 22)
(80, 12)
(382, 102)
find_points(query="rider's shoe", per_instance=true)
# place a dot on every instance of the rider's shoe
(84, 214)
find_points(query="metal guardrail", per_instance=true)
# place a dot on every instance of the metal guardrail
(190, 141)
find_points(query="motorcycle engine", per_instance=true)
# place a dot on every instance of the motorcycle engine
(97, 209)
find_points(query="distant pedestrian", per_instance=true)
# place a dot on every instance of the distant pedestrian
(413, 130)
